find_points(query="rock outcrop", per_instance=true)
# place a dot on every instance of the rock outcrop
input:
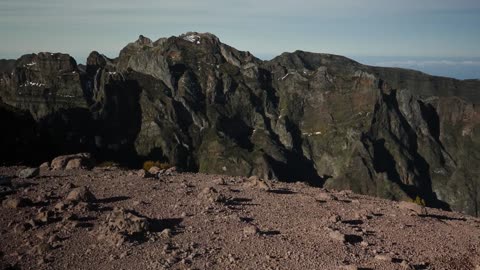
(201, 105)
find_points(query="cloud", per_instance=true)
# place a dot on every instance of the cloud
(424, 63)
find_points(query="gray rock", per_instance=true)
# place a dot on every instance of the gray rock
(29, 173)
(80, 194)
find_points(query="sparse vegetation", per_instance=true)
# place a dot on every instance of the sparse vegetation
(418, 200)
(107, 163)
(150, 163)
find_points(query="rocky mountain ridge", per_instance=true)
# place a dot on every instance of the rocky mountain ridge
(202, 105)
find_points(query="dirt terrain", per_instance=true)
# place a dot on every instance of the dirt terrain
(113, 218)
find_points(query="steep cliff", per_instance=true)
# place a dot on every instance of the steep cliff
(204, 106)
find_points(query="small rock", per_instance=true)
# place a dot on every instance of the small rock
(29, 173)
(80, 194)
(154, 170)
(219, 181)
(323, 197)
(44, 166)
(74, 163)
(171, 170)
(231, 258)
(250, 230)
(418, 209)
(212, 195)
(336, 235)
(15, 203)
(335, 218)
(60, 206)
(123, 255)
(123, 225)
(137, 203)
(44, 217)
(383, 257)
(405, 265)
(350, 267)
(166, 233)
(53, 239)
(256, 182)
(82, 160)
(21, 228)
(143, 174)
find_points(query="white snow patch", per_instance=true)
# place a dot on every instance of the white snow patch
(37, 84)
(112, 73)
(30, 64)
(192, 38)
(308, 134)
(284, 77)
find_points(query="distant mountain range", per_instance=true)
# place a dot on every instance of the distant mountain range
(202, 105)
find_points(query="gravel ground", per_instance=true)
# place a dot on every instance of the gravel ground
(196, 221)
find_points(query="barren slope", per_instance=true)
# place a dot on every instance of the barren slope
(199, 221)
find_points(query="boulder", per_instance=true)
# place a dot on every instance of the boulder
(29, 173)
(75, 163)
(255, 182)
(44, 166)
(82, 160)
(80, 194)
(154, 170)
(123, 225)
(413, 207)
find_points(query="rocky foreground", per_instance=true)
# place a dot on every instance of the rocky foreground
(113, 218)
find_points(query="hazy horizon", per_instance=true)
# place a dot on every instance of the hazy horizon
(438, 37)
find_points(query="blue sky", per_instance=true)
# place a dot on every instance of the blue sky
(437, 36)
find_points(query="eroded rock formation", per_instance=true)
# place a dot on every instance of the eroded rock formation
(204, 106)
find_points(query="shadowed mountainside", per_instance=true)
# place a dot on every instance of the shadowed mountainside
(204, 106)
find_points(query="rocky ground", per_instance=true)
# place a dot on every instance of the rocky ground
(113, 218)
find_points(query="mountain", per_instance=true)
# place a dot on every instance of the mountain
(204, 106)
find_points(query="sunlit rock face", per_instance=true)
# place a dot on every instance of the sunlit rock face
(204, 106)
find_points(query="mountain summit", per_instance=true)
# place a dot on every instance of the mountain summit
(202, 105)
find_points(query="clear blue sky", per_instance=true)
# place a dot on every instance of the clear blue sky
(437, 36)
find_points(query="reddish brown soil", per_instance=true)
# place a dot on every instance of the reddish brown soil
(240, 226)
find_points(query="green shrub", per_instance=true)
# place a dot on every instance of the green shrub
(418, 200)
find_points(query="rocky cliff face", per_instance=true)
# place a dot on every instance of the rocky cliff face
(204, 106)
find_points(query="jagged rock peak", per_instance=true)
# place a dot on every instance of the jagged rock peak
(47, 62)
(142, 40)
(196, 37)
(310, 60)
(95, 61)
